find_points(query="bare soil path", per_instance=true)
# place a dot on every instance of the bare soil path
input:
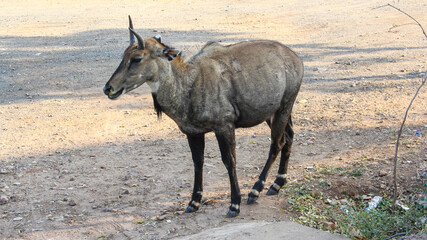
(74, 165)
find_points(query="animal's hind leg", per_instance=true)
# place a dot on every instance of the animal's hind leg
(278, 126)
(284, 160)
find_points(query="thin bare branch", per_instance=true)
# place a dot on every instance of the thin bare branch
(398, 9)
(375, 8)
(398, 139)
(407, 110)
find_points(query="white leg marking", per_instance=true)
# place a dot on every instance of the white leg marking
(235, 206)
(194, 203)
(255, 192)
(276, 186)
(281, 175)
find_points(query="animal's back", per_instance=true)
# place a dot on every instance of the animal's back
(254, 79)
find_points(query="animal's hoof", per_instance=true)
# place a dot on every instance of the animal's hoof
(232, 213)
(272, 191)
(253, 195)
(190, 209)
(252, 199)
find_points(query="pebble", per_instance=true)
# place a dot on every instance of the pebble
(17, 219)
(382, 173)
(329, 225)
(126, 192)
(4, 200)
(72, 203)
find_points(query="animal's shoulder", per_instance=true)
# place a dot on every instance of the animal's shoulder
(212, 44)
(209, 50)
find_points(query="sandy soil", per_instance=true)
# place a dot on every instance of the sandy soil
(74, 165)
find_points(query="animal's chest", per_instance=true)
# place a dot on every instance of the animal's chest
(211, 112)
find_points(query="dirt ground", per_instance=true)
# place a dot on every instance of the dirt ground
(75, 165)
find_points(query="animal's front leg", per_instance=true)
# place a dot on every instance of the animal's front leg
(197, 146)
(227, 145)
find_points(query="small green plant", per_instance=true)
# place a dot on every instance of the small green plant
(304, 201)
(356, 172)
(330, 170)
(382, 222)
(324, 183)
(349, 216)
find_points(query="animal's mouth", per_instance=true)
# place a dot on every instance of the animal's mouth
(112, 95)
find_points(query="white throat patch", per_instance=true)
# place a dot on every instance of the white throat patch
(154, 86)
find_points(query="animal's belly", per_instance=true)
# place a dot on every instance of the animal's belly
(249, 116)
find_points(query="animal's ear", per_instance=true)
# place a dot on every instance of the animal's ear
(158, 38)
(170, 53)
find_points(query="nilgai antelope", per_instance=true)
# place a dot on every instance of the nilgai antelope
(219, 89)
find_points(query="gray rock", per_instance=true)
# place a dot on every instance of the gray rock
(3, 200)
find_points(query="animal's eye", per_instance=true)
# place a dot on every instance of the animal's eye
(136, 60)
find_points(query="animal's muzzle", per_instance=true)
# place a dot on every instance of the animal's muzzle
(107, 90)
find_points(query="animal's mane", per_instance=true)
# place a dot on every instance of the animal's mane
(205, 50)
(157, 106)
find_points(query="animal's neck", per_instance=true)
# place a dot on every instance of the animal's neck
(174, 86)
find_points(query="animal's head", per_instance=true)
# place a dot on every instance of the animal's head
(139, 64)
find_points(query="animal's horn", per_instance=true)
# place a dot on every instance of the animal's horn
(140, 40)
(131, 36)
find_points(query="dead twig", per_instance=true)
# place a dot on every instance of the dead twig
(397, 141)
(407, 110)
(419, 24)
(397, 26)
(398, 9)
